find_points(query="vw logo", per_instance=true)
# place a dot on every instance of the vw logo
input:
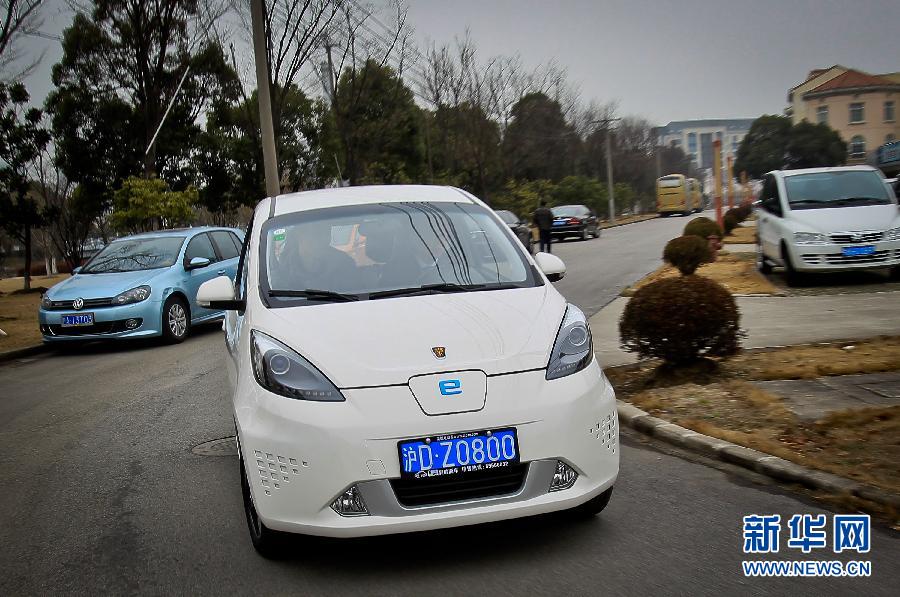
(78, 303)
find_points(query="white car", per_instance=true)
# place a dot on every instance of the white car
(827, 219)
(399, 362)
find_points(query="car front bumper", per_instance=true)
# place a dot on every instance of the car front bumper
(300, 456)
(818, 258)
(109, 322)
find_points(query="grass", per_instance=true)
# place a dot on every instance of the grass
(741, 235)
(736, 272)
(19, 310)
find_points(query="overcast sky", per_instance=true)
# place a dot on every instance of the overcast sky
(664, 60)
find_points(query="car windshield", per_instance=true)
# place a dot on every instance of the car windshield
(134, 254)
(568, 211)
(508, 217)
(848, 188)
(373, 251)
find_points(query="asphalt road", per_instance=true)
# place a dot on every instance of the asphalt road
(101, 493)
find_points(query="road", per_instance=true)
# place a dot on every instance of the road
(103, 495)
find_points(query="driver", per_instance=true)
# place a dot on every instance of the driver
(309, 262)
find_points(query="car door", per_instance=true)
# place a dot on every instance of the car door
(199, 246)
(228, 249)
(769, 224)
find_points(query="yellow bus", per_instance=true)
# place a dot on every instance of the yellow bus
(677, 194)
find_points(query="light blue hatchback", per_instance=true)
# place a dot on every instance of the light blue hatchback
(140, 286)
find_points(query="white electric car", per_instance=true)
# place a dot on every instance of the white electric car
(400, 363)
(827, 219)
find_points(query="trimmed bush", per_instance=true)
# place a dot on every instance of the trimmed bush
(681, 320)
(743, 211)
(730, 220)
(702, 227)
(687, 253)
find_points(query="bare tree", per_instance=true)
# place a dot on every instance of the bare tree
(20, 18)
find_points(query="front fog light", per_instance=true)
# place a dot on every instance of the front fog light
(350, 503)
(564, 477)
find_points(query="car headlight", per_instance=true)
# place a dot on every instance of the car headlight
(573, 348)
(810, 238)
(46, 303)
(135, 295)
(282, 371)
(892, 234)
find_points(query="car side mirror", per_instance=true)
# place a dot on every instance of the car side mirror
(552, 266)
(197, 263)
(76, 270)
(757, 203)
(218, 293)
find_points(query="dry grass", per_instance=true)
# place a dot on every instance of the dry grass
(861, 444)
(741, 235)
(735, 272)
(18, 311)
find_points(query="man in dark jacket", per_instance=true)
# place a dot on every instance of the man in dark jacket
(543, 219)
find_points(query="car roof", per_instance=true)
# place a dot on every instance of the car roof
(321, 198)
(860, 168)
(183, 232)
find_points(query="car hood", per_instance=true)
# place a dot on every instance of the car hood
(387, 341)
(90, 286)
(840, 219)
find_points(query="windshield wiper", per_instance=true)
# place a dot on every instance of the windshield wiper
(848, 200)
(315, 294)
(440, 288)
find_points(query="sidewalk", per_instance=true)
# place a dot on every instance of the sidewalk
(812, 399)
(776, 321)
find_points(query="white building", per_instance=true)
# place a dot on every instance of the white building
(695, 137)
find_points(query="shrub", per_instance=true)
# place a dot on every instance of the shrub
(681, 320)
(687, 253)
(743, 211)
(702, 227)
(730, 220)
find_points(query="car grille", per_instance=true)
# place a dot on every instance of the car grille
(876, 257)
(847, 238)
(88, 304)
(456, 488)
(99, 327)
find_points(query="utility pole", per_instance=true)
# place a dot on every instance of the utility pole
(609, 168)
(270, 158)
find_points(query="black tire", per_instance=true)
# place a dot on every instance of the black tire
(596, 231)
(176, 320)
(593, 506)
(267, 543)
(791, 275)
(894, 274)
(762, 264)
(584, 233)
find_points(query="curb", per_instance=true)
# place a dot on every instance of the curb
(760, 462)
(18, 353)
(608, 226)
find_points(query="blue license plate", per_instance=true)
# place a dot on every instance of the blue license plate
(854, 251)
(77, 320)
(458, 453)
(560, 223)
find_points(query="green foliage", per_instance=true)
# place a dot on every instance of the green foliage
(681, 320)
(574, 190)
(538, 143)
(687, 253)
(146, 204)
(730, 221)
(703, 227)
(764, 147)
(463, 144)
(814, 146)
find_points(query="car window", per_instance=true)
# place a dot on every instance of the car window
(508, 217)
(200, 247)
(566, 211)
(225, 243)
(135, 254)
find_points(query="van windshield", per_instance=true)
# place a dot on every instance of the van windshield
(847, 188)
(372, 251)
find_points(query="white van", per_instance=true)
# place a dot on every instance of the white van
(827, 219)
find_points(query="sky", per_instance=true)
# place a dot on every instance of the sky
(663, 60)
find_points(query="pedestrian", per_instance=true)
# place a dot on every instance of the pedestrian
(543, 219)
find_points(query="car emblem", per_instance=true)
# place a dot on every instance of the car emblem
(78, 303)
(855, 238)
(439, 351)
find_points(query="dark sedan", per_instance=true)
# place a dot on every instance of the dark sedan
(519, 227)
(575, 220)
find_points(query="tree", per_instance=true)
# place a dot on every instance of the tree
(765, 146)
(147, 203)
(464, 147)
(538, 142)
(814, 146)
(19, 18)
(22, 139)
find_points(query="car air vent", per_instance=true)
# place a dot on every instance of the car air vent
(88, 304)
(847, 238)
(431, 491)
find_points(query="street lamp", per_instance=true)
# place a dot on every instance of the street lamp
(609, 169)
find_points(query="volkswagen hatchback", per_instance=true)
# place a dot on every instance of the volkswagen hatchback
(422, 374)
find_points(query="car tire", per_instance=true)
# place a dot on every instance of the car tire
(894, 274)
(762, 264)
(584, 233)
(176, 320)
(593, 506)
(596, 231)
(791, 275)
(267, 543)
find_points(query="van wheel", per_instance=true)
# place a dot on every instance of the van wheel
(792, 276)
(762, 264)
(176, 320)
(593, 506)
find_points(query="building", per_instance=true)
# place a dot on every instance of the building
(860, 106)
(695, 137)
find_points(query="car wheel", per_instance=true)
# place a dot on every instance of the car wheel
(762, 264)
(596, 231)
(593, 506)
(792, 276)
(267, 543)
(176, 320)
(895, 273)
(584, 233)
